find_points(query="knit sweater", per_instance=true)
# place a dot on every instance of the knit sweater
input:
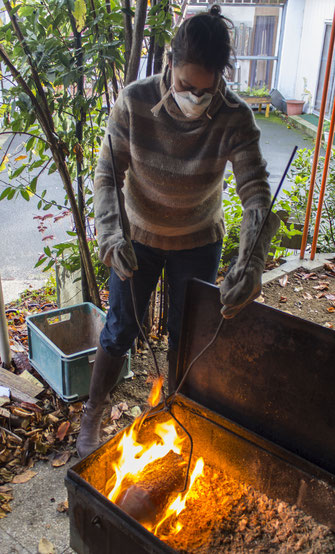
(171, 168)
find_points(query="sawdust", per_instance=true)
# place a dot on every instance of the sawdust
(224, 515)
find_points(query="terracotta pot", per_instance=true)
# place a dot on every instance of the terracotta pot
(294, 107)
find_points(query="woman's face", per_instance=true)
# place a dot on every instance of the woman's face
(194, 78)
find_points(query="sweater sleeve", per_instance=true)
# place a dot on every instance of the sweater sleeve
(106, 209)
(249, 166)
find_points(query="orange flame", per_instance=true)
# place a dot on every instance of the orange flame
(134, 457)
(155, 394)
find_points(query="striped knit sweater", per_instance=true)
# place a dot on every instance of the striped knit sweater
(171, 168)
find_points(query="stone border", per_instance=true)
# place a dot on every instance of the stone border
(292, 263)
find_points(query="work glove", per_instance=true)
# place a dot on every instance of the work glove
(123, 259)
(236, 293)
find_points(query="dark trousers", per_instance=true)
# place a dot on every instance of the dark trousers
(181, 265)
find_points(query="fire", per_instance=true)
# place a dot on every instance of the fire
(178, 505)
(155, 394)
(134, 457)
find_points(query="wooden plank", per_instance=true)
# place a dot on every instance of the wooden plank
(20, 389)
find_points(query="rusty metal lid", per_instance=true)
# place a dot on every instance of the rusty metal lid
(268, 371)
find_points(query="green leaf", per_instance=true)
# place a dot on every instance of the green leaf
(25, 194)
(47, 251)
(71, 233)
(5, 193)
(79, 14)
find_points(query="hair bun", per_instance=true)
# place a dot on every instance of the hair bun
(215, 10)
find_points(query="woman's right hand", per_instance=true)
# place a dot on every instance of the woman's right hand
(123, 259)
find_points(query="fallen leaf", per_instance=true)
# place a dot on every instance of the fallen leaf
(330, 297)
(307, 296)
(331, 309)
(5, 488)
(63, 506)
(329, 325)
(283, 299)
(136, 411)
(283, 280)
(322, 286)
(320, 295)
(298, 289)
(260, 298)
(24, 477)
(123, 406)
(61, 459)
(309, 276)
(115, 413)
(62, 430)
(45, 547)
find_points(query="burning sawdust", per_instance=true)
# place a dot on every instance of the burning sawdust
(223, 515)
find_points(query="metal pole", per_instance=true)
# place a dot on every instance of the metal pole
(323, 183)
(318, 140)
(4, 339)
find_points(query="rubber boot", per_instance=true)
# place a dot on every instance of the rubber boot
(106, 371)
(172, 357)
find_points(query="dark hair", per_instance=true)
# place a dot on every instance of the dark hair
(204, 40)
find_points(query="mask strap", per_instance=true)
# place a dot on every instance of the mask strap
(156, 109)
(229, 104)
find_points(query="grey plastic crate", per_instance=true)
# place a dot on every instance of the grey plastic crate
(62, 348)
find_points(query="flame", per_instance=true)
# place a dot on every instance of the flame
(178, 505)
(155, 394)
(133, 457)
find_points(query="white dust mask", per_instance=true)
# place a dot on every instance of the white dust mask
(191, 105)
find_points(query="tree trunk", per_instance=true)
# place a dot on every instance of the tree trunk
(128, 34)
(136, 47)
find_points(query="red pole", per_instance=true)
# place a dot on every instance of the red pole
(323, 183)
(318, 140)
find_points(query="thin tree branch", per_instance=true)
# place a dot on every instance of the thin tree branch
(18, 32)
(24, 133)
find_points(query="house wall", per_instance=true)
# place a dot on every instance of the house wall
(315, 16)
(287, 76)
(302, 46)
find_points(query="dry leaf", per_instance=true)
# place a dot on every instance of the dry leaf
(62, 430)
(320, 295)
(24, 477)
(283, 299)
(307, 296)
(46, 547)
(330, 297)
(322, 286)
(329, 325)
(331, 309)
(63, 506)
(61, 459)
(123, 406)
(309, 276)
(260, 298)
(115, 413)
(283, 280)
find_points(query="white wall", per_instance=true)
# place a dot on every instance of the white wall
(315, 16)
(287, 78)
(302, 46)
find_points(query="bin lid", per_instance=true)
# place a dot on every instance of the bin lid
(269, 371)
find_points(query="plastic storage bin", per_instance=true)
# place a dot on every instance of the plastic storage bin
(62, 347)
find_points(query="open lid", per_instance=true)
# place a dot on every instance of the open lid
(268, 371)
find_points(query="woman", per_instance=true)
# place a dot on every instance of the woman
(172, 136)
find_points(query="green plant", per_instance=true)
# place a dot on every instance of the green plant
(233, 213)
(295, 198)
(257, 92)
